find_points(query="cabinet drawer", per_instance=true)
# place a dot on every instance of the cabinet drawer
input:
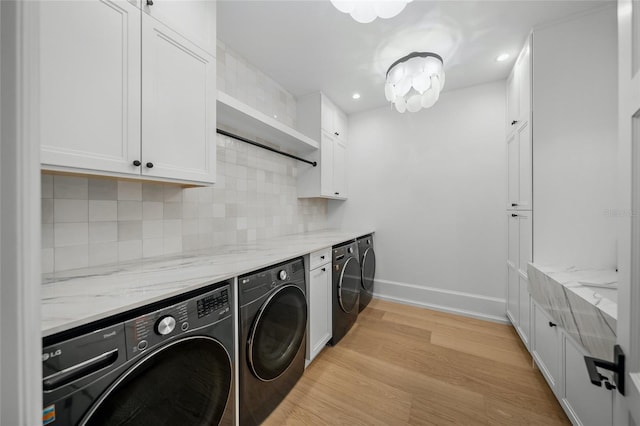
(320, 257)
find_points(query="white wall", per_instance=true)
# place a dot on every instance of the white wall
(432, 185)
(575, 141)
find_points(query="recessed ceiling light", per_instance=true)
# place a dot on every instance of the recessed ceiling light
(356, 96)
(275, 116)
(503, 57)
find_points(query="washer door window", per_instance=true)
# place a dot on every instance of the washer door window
(349, 285)
(368, 269)
(277, 332)
(185, 383)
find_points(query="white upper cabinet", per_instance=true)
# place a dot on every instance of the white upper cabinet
(178, 134)
(519, 90)
(519, 169)
(90, 85)
(123, 94)
(195, 22)
(333, 120)
(319, 118)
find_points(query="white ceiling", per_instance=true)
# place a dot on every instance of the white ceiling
(309, 45)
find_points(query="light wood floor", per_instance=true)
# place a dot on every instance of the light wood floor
(404, 365)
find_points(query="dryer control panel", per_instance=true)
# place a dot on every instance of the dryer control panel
(151, 329)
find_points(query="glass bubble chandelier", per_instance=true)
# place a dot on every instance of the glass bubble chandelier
(415, 81)
(365, 11)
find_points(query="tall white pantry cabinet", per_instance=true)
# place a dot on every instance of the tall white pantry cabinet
(128, 89)
(519, 192)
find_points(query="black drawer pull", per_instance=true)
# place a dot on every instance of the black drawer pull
(552, 324)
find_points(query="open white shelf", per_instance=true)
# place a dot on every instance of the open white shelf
(252, 123)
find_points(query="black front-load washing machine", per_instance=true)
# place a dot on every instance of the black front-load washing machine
(368, 269)
(273, 324)
(168, 363)
(346, 289)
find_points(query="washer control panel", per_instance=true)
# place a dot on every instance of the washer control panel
(146, 331)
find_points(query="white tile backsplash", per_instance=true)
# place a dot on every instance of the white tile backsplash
(103, 210)
(66, 210)
(94, 221)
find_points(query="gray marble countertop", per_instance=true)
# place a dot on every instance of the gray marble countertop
(583, 301)
(77, 297)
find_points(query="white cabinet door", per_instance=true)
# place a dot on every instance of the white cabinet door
(340, 124)
(590, 405)
(193, 19)
(524, 241)
(320, 319)
(178, 106)
(326, 165)
(524, 168)
(524, 318)
(519, 166)
(513, 170)
(513, 240)
(90, 85)
(513, 245)
(513, 296)
(327, 113)
(339, 170)
(513, 102)
(524, 83)
(546, 346)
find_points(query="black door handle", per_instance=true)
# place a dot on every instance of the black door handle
(136, 163)
(149, 2)
(552, 324)
(337, 193)
(514, 215)
(149, 165)
(514, 204)
(514, 122)
(617, 367)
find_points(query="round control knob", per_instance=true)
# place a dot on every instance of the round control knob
(165, 325)
(283, 275)
(350, 250)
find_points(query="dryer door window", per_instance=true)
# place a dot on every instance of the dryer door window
(368, 268)
(277, 332)
(349, 285)
(185, 383)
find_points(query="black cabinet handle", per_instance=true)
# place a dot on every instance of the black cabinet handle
(514, 215)
(337, 193)
(514, 122)
(617, 367)
(322, 257)
(149, 2)
(136, 163)
(149, 165)
(514, 204)
(324, 269)
(552, 324)
(336, 133)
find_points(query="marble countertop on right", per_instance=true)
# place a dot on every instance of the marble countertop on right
(583, 301)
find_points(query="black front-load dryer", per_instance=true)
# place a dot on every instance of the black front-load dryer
(273, 324)
(168, 363)
(367, 269)
(346, 289)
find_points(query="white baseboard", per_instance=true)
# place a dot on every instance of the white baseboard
(454, 302)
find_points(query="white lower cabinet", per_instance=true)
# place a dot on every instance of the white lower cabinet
(545, 346)
(561, 361)
(584, 403)
(519, 254)
(524, 320)
(319, 325)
